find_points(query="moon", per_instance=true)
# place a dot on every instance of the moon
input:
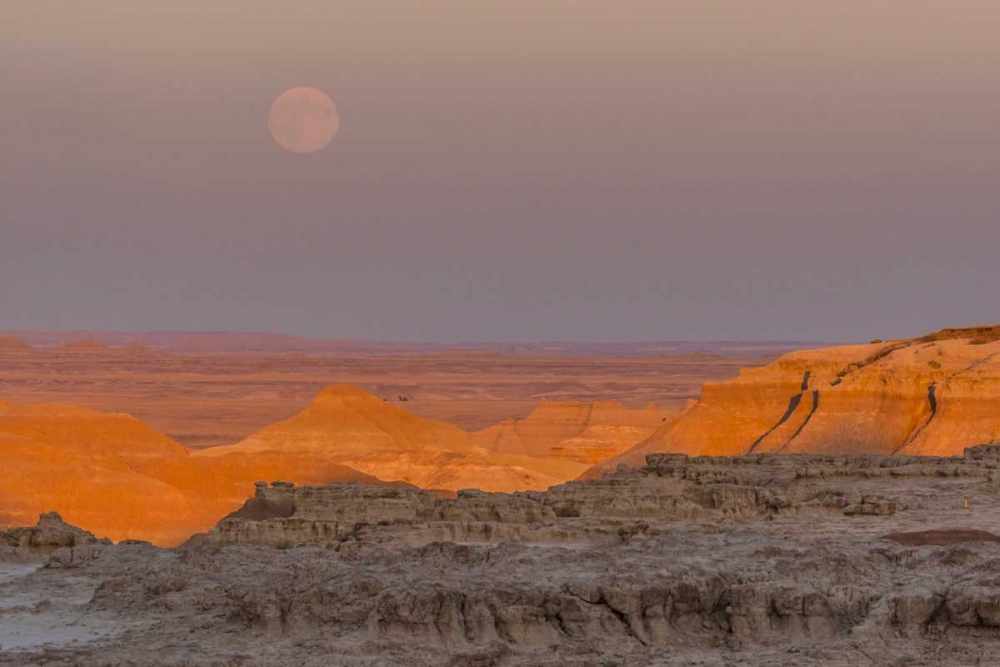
(303, 120)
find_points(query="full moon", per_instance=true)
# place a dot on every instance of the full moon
(303, 120)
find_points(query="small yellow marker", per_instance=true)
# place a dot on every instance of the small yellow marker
(965, 501)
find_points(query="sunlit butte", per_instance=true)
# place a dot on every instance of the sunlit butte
(303, 120)
(619, 332)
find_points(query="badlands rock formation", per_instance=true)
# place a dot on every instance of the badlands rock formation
(348, 426)
(582, 432)
(116, 476)
(94, 468)
(760, 560)
(63, 544)
(934, 395)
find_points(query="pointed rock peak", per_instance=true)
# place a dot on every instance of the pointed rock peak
(341, 394)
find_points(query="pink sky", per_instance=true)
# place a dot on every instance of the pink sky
(504, 170)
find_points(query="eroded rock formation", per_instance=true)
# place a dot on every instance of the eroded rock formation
(758, 560)
(582, 432)
(116, 476)
(934, 395)
(63, 544)
(351, 427)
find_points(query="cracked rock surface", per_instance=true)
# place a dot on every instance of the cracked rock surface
(758, 560)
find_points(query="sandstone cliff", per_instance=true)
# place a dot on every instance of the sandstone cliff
(934, 395)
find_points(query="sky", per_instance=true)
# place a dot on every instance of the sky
(505, 170)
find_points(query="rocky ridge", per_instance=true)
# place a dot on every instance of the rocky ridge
(582, 432)
(934, 396)
(116, 476)
(758, 560)
(351, 427)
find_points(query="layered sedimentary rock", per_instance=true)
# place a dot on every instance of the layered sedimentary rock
(348, 426)
(583, 432)
(116, 476)
(63, 544)
(669, 488)
(930, 396)
(759, 560)
(92, 467)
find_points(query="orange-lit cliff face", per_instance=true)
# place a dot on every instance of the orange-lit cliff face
(348, 426)
(574, 431)
(115, 476)
(93, 467)
(935, 395)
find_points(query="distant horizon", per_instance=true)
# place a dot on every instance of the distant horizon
(84, 334)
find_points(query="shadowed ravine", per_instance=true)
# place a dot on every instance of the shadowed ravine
(932, 408)
(793, 405)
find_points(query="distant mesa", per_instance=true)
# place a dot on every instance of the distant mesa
(13, 343)
(933, 395)
(136, 348)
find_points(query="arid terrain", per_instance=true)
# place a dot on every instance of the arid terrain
(932, 395)
(831, 506)
(761, 560)
(206, 390)
(157, 443)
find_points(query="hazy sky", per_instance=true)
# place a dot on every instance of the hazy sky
(505, 169)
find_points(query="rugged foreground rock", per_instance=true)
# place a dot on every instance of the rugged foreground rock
(758, 560)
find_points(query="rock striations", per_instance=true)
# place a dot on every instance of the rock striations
(766, 559)
(582, 432)
(348, 426)
(116, 476)
(934, 395)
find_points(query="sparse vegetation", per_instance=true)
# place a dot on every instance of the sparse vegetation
(876, 341)
(566, 511)
(978, 335)
(934, 364)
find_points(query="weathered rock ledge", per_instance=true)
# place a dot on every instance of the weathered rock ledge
(756, 560)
